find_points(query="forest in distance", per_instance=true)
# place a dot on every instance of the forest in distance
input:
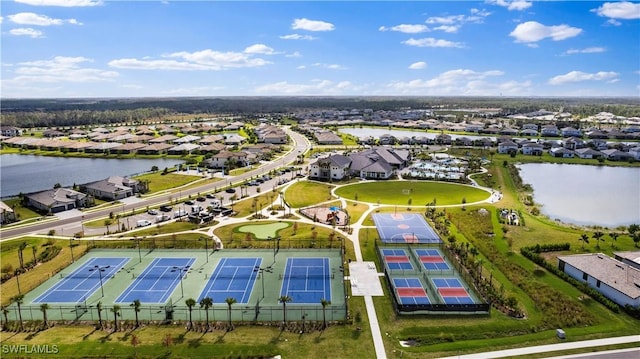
(31, 113)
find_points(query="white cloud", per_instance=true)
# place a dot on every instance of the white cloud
(200, 60)
(259, 49)
(60, 69)
(62, 3)
(406, 28)
(294, 54)
(312, 25)
(461, 82)
(588, 50)
(619, 10)
(579, 76)
(418, 65)
(26, 31)
(432, 42)
(533, 31)
(297, 37)
(193, 91)
(30, 18)
(517, 5)
(316, 87)
(448, 28)
(329, 66)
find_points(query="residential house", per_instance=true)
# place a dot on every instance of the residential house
(333, 167)
(10, 131)
(233, 139)
(164, 139)
(573, 143)
(529, 132)
(187, 139)
(616, 280)
(616, 155)
(56, 200)
(183, 149)
(530, 126)
(549, 131)
(635, 152)
(155, 149)
(588, 153)
(112, 188)
(561, 152)
(7, 215)
(328, 138)
(630, 258)
(211, 139)
(533, 149)
(507, 147)
(370, 166)
(570, 132)
(227, 159)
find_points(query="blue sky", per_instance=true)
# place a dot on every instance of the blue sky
(92, 48)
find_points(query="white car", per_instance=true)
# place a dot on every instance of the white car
(143, 223)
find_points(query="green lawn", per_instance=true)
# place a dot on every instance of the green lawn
(415, 193)
(159, 182)
(304, 194)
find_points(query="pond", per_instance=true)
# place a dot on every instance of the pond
(31, 173)
(585, 195)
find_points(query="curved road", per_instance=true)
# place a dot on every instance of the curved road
(301, 145)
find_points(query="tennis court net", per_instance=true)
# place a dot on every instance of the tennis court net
(308, 276)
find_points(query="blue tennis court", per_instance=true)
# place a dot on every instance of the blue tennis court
(404, 228)
(397, 258)
(410, 291)
(452, 291)
(83, 282)
(432, 259)
(307, 280)
(156, 283)
(233, 277)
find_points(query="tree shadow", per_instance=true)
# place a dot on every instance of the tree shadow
(86, 336)
(194, 343)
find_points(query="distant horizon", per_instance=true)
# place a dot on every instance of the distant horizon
(318, 96)
(53, 49)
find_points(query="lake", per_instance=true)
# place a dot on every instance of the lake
(30, 173)
(584, 194)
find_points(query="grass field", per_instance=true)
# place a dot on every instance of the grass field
(304, 194)
(159, 182)
(416, 193)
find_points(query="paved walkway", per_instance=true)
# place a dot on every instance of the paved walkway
(550, 348)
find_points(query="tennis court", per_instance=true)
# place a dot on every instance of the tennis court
(157, 282)
(83, 282)
(233, 277)
(410, 291)
(397, 258)
(452, 291)
(432, 259)
(307, 280)
(404, 228)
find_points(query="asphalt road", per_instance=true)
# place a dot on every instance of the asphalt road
(73, 222)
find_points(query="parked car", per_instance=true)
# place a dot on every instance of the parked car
(210, 195)
(230, 190)
(201, 199)
(152, 212)
(179, 213)
(162, 218)
(189, 202)
(143, 223)
(165, 208)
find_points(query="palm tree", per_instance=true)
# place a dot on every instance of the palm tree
(43, 309)
(18, 299)
(230, 301)
(99, 309)
(22, 247)
(206, 302)
(634, 232)
(598, 237)
(284, 300)
(584, 239)
(116, 313)
(190, 302)
(5, 312)
(136, 309)
(324, 303)
(614, 237)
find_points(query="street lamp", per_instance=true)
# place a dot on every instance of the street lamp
(71, 248)
(99, 269)
(181, 270)
(138, 243)
(261, 270)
